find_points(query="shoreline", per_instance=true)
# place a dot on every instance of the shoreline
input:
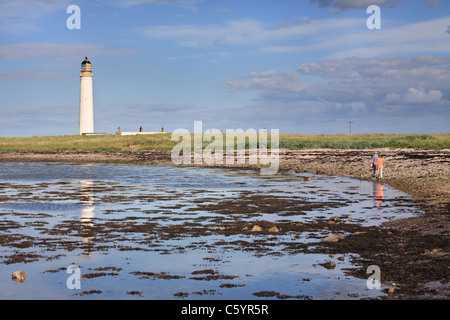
(411, 252)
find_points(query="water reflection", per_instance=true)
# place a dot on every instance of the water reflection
(87, 213)
(378, 194)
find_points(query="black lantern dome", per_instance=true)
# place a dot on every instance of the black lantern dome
(86, 66)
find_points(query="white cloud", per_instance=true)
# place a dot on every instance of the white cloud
(187, 4)
(371, 80)
(39, 50)
(24, 16)
(243, 32)
(36, 74)
(190, 56)
(339, 5)
(222, 9)
(421, 38)
(270, 82)
(415, 96)
(47, 56)
(432, 3)
(352, 88)
(338, 38)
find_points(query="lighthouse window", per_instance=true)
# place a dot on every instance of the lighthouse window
(83, 67)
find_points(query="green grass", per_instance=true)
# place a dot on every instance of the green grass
(110, 142)
(366, 141)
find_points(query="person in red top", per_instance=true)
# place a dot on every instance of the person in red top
(380, 167)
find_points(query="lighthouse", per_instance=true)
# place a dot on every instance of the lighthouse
(86, 99)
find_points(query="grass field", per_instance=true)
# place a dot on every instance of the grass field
(366, 141)
(110, 142)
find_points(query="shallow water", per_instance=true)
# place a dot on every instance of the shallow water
(162, 232)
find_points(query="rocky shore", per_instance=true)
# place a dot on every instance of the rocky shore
(416, 251)
(413, 253)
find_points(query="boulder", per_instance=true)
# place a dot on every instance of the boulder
(256, 228)
(274, 229)
(329, 265)
(333, 238)
(19, 276)
(391, 289)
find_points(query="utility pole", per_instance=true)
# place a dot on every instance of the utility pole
(350, 122)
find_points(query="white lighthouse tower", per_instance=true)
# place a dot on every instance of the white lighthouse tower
(86, 99)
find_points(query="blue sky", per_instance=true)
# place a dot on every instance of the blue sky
(298, 66)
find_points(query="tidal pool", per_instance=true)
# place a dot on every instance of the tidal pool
(164, 232)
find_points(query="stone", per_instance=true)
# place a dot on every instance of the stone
(256, 228)
(19, 276)
(274, 229)
(329, 265)
(392, 289)
(333, 238)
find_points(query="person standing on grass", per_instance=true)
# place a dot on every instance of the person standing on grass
(379, 167)
(373, 164)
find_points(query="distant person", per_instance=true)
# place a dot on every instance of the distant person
(379, 167)
(373, 164)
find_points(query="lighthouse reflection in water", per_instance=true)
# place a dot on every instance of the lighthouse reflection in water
(87, 213)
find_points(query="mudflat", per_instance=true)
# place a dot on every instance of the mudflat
(413, 253)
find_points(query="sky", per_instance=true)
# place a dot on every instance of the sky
(306, 67)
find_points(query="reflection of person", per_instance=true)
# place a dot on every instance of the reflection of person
(379, 167)
(373, 164)
(378, 194)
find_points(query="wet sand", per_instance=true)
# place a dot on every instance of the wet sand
(414, 253)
